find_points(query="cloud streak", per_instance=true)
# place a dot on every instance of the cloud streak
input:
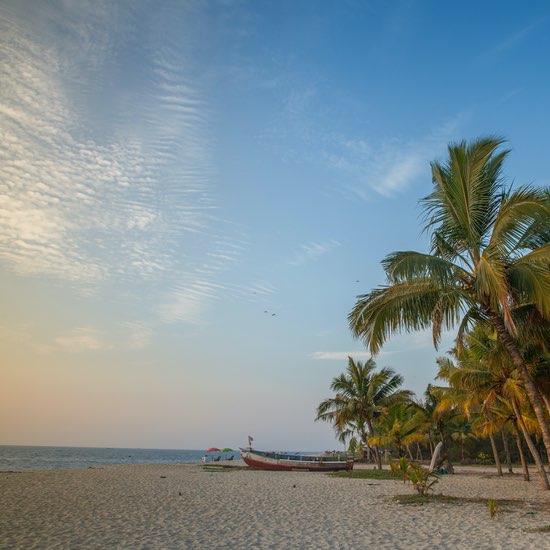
(80, 339)
(99, 182)
(387, 167)
(311, 252)
(340, 355)
(511, 41)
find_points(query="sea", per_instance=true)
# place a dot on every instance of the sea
(17, 458)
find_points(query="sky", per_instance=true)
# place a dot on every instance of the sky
(193, 193)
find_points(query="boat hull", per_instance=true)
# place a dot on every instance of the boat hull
(314, 464)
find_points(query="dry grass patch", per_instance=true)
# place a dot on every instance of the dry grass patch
(364, 474)
(543, 529)
(419, 500)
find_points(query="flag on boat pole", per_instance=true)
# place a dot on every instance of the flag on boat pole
(250, 440)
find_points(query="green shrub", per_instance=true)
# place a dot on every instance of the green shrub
(493, 508)
(400, 468)
(421, 478)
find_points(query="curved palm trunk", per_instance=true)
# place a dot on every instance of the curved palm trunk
(495, 455)
(524, 467)
(531, 445)
(445, 453)
(507, 450)
(531, 389)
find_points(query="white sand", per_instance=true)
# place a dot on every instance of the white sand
(134, 507)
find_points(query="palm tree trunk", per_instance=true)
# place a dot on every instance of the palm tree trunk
(495, 455)
(531, 445)
(365, 449)
(546, 402)
(419, 452)
(409, 452)
(375, 447)
(524, 467)
(445, 453)
(368, 452)
(400, 452)
(504, 436)
(530, 388)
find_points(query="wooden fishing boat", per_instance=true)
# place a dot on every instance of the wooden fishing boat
(326, 462)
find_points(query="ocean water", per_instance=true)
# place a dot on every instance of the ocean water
(20, 458)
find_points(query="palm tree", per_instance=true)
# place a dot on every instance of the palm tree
(461, 432)
(486, 386)
(490, 253)
(362, 394)
(435, 419)
(400, 427)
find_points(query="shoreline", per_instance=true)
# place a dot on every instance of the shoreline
(187, 506)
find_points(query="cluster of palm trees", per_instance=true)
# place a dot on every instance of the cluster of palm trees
(370, 413)
(488, 275)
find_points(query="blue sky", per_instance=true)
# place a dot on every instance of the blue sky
(173, 171)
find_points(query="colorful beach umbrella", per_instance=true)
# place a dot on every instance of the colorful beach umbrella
(227, 450)
(213, 450)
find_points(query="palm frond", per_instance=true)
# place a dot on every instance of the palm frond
(532, 284)
(403, 307)
(408, 265)
(523, 214)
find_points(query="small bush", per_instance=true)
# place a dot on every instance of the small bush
(493, 508)
(400, 468)
(421, 478)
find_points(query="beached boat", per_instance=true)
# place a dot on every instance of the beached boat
(326, 462)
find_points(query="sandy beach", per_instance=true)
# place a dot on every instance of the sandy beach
(185, 506)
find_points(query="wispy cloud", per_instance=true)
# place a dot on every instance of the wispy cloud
(80, 339)
(511, 41)
(102, 182)
(398, 344)
(137, 334)
(370, 165)
(387, 167)
(339, 355)
(188, 301)
(311, 252)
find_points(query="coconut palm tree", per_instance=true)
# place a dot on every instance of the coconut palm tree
(399, 428)
(362, 394)
(435, 420)
(461, 433)
(490, 253)
(485, 384)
